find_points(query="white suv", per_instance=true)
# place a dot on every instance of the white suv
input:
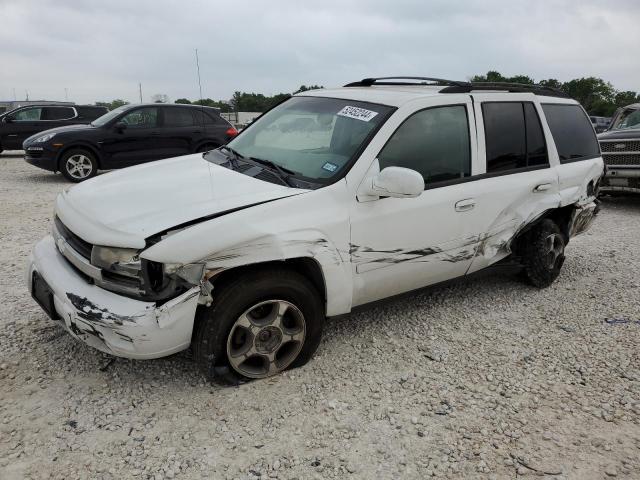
(334, 199)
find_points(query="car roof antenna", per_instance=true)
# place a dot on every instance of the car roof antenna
(200, 87)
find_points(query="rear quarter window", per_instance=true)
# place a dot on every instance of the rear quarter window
(572, 132)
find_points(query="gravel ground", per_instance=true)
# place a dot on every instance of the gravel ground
(487, 378)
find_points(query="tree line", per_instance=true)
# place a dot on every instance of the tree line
(596, 95)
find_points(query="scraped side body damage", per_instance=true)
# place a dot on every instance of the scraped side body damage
(355, 247)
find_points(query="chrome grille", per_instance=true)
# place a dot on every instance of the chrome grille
(618, 146)
(621, 159)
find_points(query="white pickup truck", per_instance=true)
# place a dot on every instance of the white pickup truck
(333, 199)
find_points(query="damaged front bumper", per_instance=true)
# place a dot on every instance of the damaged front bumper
(107, 321)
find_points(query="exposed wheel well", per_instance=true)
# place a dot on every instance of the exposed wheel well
(561, 216)
(91, 150)
(308, 267)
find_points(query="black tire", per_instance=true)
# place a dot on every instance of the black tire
(206, 147)
(78, 165)
(215, 324)
(543, 253)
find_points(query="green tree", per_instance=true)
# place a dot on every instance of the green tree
(595, 95)
(551, 82)
(304, 88)
(118, 102)
(185, 101)
(623, 99)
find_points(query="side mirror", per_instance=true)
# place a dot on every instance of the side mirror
(120, 126)
(7, 120)
(396, 182)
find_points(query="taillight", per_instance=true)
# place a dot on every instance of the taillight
(231, 132)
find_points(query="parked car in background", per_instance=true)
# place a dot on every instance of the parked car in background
(620, 146)
(600, 124)
(244, 251)
(129, 135)
(19, 124)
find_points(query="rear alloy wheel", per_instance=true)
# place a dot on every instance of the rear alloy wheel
(78, 165)
(543, 254)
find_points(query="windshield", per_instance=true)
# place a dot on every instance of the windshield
(629, 118)
(107, 117)
(313, 137)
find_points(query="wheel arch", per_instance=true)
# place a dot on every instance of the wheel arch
(561, 216)
(308, 267)
(78, 146)
(206, 141)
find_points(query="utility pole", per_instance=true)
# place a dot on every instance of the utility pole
(140, 88)
(27, 95)
(14, 94)
(66, 95)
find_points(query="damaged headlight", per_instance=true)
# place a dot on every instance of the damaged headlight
(191, 272)
(125, 261)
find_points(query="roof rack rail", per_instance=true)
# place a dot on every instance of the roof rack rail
(368, 82)
(506, 86)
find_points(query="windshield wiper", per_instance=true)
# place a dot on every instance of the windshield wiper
(234, 157)
(283, 173)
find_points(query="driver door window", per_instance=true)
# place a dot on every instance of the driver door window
(28, 115)
(434, 142)
(141, 118)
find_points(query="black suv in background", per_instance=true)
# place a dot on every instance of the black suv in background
(127, 136)
(18, 124)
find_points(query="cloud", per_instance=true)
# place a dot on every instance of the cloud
(101, 50)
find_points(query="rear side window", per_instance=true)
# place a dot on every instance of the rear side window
(177, 117)
(433, 142)
(572, 132)
(58, 113)
(513, 135)
(204, 118)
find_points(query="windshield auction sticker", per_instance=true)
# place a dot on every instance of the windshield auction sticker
(357, 113)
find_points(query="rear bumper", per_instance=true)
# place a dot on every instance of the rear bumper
(110, 322)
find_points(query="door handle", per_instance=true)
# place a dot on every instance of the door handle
(155, 134)
(465, 205)
(543, 187)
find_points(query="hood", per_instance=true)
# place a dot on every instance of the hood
(622, 134)
(124, 207)
(65, 129)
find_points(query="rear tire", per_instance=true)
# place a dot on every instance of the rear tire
(259, 324)
(78, 165)
(543, 253)
(206, 147)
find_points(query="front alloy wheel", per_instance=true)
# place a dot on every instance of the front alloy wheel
(78, 165)
(259, 324)
(266, 338)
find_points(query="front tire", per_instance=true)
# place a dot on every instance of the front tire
(260, 324)
(78, 165)
(543, 253)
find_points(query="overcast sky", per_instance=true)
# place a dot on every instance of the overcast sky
(100, 50)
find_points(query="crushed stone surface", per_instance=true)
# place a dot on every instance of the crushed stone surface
(487, 378)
